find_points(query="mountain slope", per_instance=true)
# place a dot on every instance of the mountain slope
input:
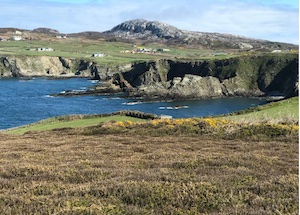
(158, 31)
(143, 29)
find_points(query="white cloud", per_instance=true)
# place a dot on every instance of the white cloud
(277, 21)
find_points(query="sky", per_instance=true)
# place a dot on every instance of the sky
(274, 20)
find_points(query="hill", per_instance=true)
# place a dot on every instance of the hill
(142, 31)
(159, 31)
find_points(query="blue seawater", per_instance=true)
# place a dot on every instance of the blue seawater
(24, 101)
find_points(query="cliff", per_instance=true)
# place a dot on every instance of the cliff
(272, 74)
(241, 76)
(58, 67)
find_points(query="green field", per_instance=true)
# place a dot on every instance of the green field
(78, 48)
(280, 111)
(57, 123)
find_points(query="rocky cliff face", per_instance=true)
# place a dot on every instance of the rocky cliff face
(168, 79)
(244, 76)
(45, 66)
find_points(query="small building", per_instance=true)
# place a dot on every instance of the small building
(61, 36)
(17, 38)
(45, 49)
(276, 51)
(98, 55)
(18, 32)
(163, 50)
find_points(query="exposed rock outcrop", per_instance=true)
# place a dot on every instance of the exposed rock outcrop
(244, 76)
(143, 29)
(155, 31)
(168, 79)
(45, 31)
(46, 66)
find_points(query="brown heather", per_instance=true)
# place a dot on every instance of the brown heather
(134, 171)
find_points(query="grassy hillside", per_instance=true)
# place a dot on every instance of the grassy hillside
(145, 170)
(280, 111)
(161, 166)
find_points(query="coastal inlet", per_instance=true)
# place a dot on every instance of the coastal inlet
(25, 101)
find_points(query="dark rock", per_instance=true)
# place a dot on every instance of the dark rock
(246, 76)
(45, 31)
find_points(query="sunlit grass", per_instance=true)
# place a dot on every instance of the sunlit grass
(79, 48)
(57, 124)
(285, 110)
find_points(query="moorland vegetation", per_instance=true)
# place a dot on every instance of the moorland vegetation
(162, 166)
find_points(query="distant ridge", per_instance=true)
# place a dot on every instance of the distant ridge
(158, 31)
(45, 31)
(142, 31)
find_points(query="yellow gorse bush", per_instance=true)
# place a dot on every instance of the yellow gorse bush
(209, 125)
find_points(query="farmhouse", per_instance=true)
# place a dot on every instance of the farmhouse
(61, 36)
(98, 55)
(144, 50)
(17, 38)
(276, 51)
(163, 50)
(45, 49)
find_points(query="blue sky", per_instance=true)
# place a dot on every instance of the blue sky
(275, 20)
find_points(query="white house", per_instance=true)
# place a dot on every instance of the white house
(17, 38)
(276, 51)
(45, 49)
(98, 55)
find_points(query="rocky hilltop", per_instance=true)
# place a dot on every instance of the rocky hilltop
(150, 31)
(46, 31)
(144, 31)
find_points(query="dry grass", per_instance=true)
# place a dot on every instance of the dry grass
(69, 172)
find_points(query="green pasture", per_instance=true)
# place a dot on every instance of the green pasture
(280, 111)
(78, 48)
(57, 123)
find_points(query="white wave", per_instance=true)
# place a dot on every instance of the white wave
(132, 103)
(173, 107)
(113, 98)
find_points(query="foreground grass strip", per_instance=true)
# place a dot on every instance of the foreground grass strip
(69, 173)
(215, 127)
(285, 110)
(58, 123)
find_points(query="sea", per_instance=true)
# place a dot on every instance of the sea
(24, 101)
